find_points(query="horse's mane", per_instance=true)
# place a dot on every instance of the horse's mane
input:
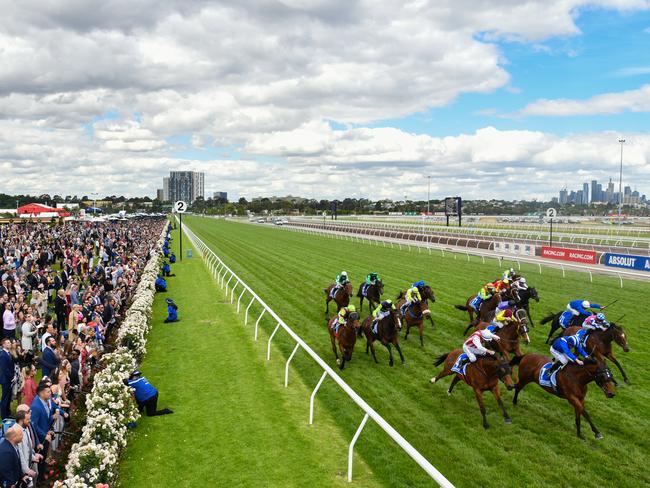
(401, 295)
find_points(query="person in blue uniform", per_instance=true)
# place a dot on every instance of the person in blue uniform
(161, 283)
(146, 395)
(172, 311)
(562, 349)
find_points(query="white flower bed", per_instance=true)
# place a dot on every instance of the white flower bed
(110, 406)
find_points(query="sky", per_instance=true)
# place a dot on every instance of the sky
(505, 99)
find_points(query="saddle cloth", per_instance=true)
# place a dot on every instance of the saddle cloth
(457, 368)
(565, 319)
(550, 381)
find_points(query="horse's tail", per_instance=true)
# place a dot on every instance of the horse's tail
(440, 359)
(548, 318)
(461, 307)
(516, 360)
(400, 296)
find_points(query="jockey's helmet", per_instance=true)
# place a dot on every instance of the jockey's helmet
(586, 304)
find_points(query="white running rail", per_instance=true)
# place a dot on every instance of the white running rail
(231, 283)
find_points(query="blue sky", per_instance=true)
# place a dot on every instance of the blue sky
(576, 67)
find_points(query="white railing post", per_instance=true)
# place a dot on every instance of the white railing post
(239, 299)
(232, 293)
(354, 441)
(268, 346)
(286, 366)
(313, 396)
(257, 323)
(246, 313)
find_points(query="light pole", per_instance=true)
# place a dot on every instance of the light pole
(428, 195)
(620, 184)
(94, 203)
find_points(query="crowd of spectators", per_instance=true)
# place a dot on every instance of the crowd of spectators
(63, 290)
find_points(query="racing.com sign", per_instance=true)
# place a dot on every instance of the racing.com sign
(628, 261)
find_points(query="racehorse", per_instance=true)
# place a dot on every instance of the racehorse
(486, 307)
(525, 296)
(346, 337)
(482, 375)
(554, 318)
(509, 335)
(426, 293)
(572, 381)
(599, 344)
(373, 294)
(414, 316)
(341, 297)
(387, 333)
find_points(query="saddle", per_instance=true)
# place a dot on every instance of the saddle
(460, 366)
(546, 379)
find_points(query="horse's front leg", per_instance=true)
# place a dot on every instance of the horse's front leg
(613, 359)
(421, 327)
(527, 308)
(399, 350)
(481, 405)
(336, 354)
(390, 354)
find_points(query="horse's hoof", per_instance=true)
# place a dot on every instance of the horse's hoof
(433, 380)
(508, 420)
(448, 392)
(627, 382)
(599, 436)
(486, 426)
(338, 361)
(391, 364)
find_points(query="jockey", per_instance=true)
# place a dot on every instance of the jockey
(382, 310)
(341, 280)
(473, 346)
(561, 350)
(579, 307)
(484, 294)
(342, 317)
(412, 295)
(502, 318)
(510, 274)
(596, 321)
(372, 278)
(520, 284)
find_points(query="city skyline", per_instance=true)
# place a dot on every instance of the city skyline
(593, 193)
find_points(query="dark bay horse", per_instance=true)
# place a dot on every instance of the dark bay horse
(346, 337)
(387, 333)
(415, 315)
(599, 344)
(373, 294)
(572, 381)
(487, 306)
(341, 297)
(525, 296)
(554, 318)
(426, 293)
(483, 375)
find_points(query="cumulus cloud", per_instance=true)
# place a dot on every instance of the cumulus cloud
(264, 76)
(607, 103)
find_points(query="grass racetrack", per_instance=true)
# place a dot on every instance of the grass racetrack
(234, 423)
(288, 270)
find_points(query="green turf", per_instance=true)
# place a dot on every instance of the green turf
(289, 269)
(234, 423)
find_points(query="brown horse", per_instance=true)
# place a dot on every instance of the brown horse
(414, 316)
(599, 344)
(572, 381)
(387, 333)
(373, 294)
(483, 375)
(341, 297)
(346, 337)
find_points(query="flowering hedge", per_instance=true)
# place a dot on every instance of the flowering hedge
(110, 407)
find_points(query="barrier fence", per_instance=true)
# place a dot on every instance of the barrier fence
(228, 280)
(409, 244)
